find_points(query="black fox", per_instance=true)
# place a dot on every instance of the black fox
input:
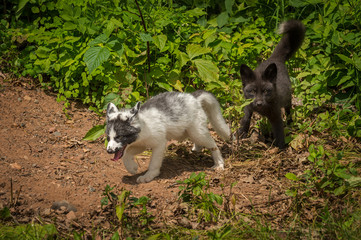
(269, 84)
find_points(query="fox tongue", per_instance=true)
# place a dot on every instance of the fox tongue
(118, 154)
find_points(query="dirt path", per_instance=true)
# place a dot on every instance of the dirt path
(43, 156)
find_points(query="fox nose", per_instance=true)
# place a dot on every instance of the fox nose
(258, 103)
(110, 150)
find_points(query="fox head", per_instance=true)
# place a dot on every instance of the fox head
(122, 128)
(259, 85)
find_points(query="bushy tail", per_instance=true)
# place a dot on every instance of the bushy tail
(213, 110)
(293, 34)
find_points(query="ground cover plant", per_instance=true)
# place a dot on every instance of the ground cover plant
(96, 52)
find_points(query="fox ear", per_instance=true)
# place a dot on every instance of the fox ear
(134, 111)
(247, 75)
(270, 74)
(111, 110)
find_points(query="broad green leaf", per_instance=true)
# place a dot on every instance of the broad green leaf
(182, 59)
(146, 37)
(160, 41)
(94, 133)
(42, 52)
(95, 56)
(292, 176)
(165, 86)
(103, 38)
(222, 19)
(229, 5)
(207, 70)
(111, 97)
(194, 50)
(196, 12)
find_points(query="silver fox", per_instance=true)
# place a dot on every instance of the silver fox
(170, 115)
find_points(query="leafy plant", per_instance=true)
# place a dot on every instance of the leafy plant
(130, 212)
(194, 191)
(327, 175)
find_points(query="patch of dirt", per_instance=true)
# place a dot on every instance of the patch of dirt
(44, 161)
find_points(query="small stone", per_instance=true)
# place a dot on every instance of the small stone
(57, 134)
(91, 189)
(52, 129)
(63, 204)
(71, 216)
(36, 101)
(27, 98)
(19, 99)
(15, 166)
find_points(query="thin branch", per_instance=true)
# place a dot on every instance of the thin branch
(148, 48)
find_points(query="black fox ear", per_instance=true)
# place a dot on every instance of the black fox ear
(247, 75)
(135, 109)
(270, 74)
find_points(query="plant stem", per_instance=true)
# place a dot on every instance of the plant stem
(148, 49)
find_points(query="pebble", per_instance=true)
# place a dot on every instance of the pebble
(57, 134)
(71, 216)
(63, 205)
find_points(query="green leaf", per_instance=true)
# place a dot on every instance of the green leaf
(103, 38)
(21, 5)
(196, 12)
(354, 181)
(195, 50)
(95, 56)
(160, 41)
(222, 19)
(182, 59)
(291, 193)
(35, 10)
(115, 236)
(111, 97)
(229, 5)
(146, 37)
(344, 58)
(207, 70)
(165, 86)
(357, 61)
(339, 190)
(292, 177)
(94, 133)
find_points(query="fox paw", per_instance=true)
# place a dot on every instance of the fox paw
(218, 167)
(149, 176)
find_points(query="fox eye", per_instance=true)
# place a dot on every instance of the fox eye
(252, 91)
(267, 91)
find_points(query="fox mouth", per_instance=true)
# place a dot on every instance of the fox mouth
(118, 154)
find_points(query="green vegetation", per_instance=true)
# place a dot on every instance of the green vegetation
(116, 51)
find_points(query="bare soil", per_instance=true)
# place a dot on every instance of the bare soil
(43, 160)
